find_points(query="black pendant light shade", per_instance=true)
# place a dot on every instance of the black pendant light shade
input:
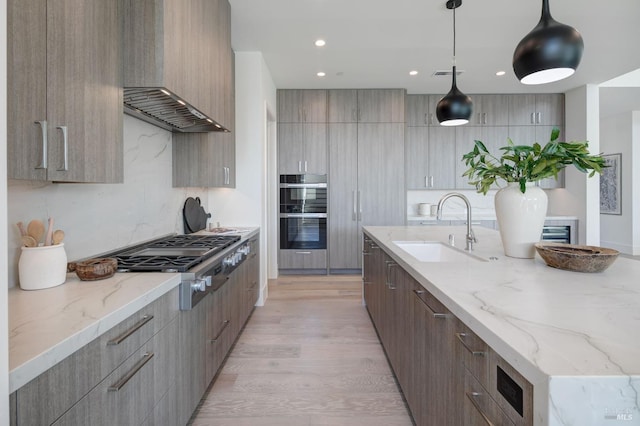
(550, 52)
(454, 109)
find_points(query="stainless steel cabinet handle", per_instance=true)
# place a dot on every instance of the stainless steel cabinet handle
(359, 206)
(303, 252)
(533, 118)
(472, 397)
(65, 149)
(461, 337)
(354, 216)
(390, 264)
(484, 118)
(305, 166)
(300, 166)
(145, 319)
(539, 118)
(43, 128)
(426, 181)
(225, 324)
(137, 367)
(227, 175)
(430, 181)
(426, 118)
(433, 313)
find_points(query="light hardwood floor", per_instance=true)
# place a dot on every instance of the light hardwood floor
(309, 357)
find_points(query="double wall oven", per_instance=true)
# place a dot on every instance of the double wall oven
(303, 212)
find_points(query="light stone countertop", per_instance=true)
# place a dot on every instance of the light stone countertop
(462, 215)
(46, 326)
(575, 336)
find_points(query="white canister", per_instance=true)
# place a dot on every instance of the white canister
(424, 209)
(42, 267)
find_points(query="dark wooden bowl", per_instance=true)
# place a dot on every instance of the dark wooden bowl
(94, 269)
(573, 257)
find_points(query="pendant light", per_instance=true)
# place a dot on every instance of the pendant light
(550, 52)
(455, 108)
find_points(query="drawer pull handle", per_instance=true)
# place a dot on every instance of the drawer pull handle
(120, 384)
(145, 319)
(472, 397)
(461, 337)
(303, 252)
(433, 313)
(224, 327)
(45, 155)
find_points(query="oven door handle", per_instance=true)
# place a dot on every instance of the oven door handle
(303, 185)
(303, 215)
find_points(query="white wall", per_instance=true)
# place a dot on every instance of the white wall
(100, 217)
(620, 135)
(246, 205)
(581, 195)
(4, 320)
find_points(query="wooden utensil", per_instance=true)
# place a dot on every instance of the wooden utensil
(35, 229)
(47, 239)
(58, 236)
(29, 241)
(23, 232)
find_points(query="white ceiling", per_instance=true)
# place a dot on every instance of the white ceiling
(375, 43)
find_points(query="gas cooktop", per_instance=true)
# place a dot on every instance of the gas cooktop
(177, 253)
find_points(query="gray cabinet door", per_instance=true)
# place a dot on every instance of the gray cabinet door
(82, 90)
(490, 110)
(381, 105)
(302, 106)
(380, 173)
(290, 148)
(417, 157)
(418, 110)
(315, 148)
(442, 151)
(343, 106)
(531, 110)
(551, 109)
(343, 225)
(522, 110)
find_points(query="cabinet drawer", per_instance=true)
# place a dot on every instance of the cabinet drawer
(474, 354)
(512, 392)
(429, 299)
(303, 259)
(58, 388)
(129, 394)
(479, 408)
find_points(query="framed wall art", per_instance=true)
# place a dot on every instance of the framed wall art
(610, 202)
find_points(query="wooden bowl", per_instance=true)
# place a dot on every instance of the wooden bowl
(573, 257)
(94, 269)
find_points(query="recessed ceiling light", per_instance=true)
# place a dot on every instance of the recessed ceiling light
(321, 74)
(414, 72)
(320, 43)
(500, 73)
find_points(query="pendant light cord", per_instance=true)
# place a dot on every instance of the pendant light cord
(454, 34)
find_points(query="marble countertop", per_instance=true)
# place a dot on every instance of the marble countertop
(574, 336)
(461, 215)
(46, 326)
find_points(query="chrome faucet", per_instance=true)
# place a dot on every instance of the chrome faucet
(471, 238)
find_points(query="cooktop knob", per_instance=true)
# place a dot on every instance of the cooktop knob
(199, 285)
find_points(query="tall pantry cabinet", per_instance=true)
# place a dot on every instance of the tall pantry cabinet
(366, 178)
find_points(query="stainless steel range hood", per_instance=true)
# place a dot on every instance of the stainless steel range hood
(162, 108)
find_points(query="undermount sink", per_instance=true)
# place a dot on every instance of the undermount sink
(435, 251)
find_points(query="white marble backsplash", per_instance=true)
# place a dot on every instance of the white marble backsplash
(480, 204)
(100, 217)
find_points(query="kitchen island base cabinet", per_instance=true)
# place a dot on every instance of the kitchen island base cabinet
(447, 374)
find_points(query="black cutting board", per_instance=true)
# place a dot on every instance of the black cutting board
(195, 218)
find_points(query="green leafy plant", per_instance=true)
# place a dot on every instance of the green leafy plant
(528, 163)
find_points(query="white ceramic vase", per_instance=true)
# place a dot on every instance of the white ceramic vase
(42, 267)
(520, 218)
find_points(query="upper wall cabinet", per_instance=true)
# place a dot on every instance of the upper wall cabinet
(209, 159)
(65, 90)
(367, 106)
(490, 110)
(302, 106)
(531, 110)
(421, 110)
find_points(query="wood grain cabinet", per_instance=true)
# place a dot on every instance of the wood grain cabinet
(490, 110)
(536, 109)
(302, 148)
(205, 159)
(302, 106)
(65, 90)
(430, 159)
(119, 378)
(421, 110)
(448, 375)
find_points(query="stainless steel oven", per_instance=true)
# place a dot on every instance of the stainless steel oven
(303, 212)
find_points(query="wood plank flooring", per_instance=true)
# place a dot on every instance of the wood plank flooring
(309, 357)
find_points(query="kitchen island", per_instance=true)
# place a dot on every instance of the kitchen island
(574, 336)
